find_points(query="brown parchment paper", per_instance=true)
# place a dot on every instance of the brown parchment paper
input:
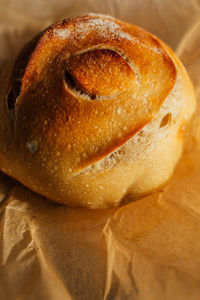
(147, 250)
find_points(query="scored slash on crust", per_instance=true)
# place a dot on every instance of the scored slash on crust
(131, 57)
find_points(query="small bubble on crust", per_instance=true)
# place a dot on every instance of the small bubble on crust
(119, 110)
(32, 146)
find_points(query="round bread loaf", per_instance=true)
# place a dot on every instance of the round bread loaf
(95, 113)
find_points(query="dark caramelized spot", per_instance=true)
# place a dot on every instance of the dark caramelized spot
(166, 120)
(11, 100)
(69, 79)
(19, 70)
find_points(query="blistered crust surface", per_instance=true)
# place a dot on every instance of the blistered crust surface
(90, 85)
(97, 115)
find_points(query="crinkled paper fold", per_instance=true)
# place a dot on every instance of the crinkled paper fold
(147, 250)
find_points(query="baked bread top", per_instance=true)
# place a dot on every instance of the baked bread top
(78, 92)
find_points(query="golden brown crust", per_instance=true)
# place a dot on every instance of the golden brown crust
(89, 70)
(90, 85)
(117, 84)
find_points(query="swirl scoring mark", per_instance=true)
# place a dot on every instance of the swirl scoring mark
(94, 128)
(99, 74)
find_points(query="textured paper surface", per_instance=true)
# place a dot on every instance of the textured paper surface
(147, 250)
